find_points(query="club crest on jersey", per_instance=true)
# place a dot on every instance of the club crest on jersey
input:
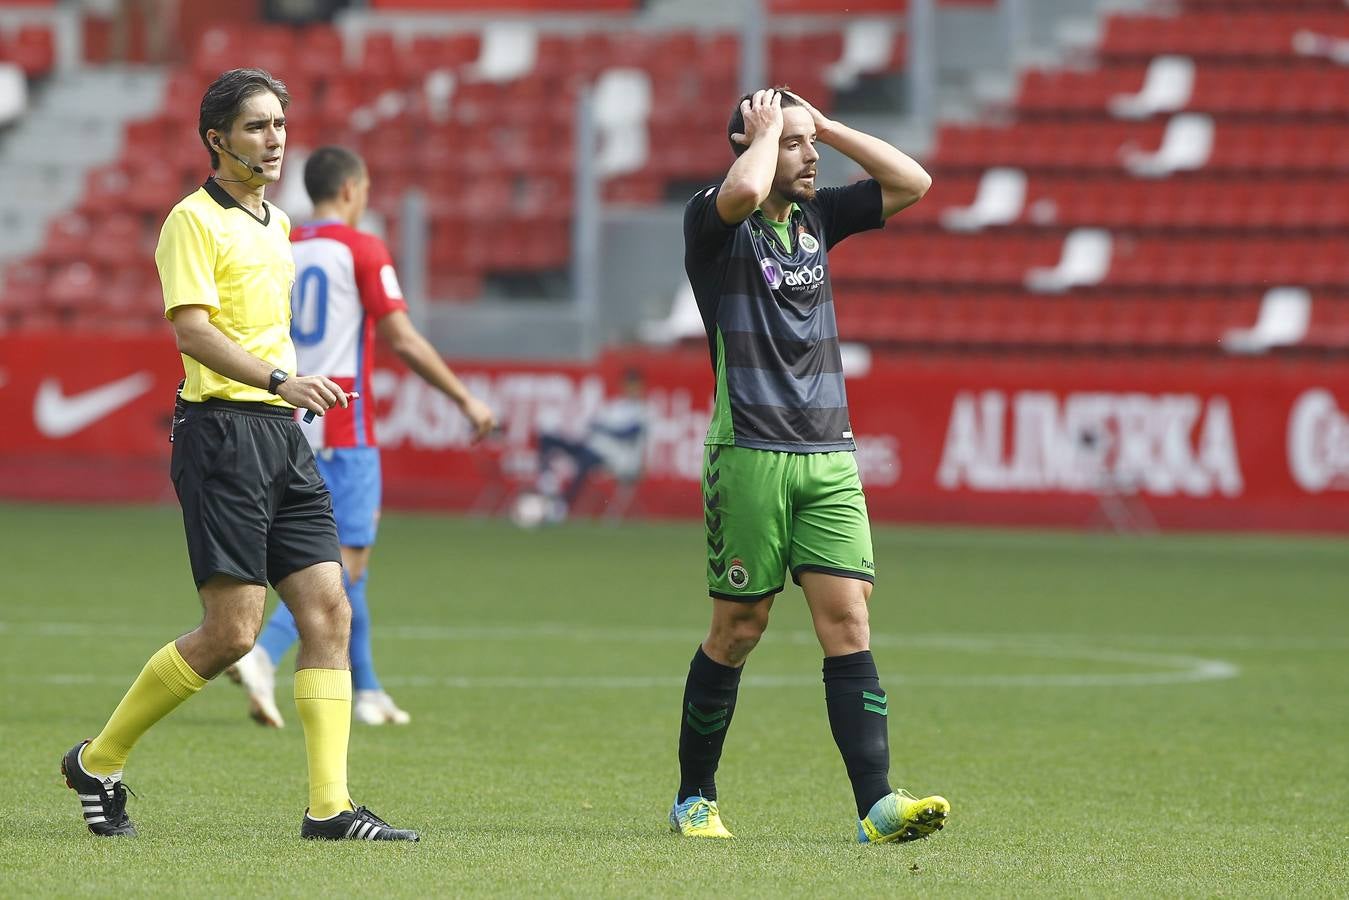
(808, 242)
(772, 272)
(737, 575)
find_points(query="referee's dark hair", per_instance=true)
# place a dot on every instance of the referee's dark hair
(737, 123)
(222, 100)
(327, 169)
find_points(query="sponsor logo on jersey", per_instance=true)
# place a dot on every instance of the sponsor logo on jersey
(1164, 444)
(772, 272)
(1318, 443)
(806, 276)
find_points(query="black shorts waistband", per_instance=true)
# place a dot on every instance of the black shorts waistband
(243, 408)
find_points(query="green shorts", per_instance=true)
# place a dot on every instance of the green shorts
(769, 512)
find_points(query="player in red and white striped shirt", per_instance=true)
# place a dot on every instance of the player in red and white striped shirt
(346, 292)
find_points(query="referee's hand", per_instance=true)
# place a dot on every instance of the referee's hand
(312, 392)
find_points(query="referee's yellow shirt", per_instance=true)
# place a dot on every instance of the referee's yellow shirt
(214, 253)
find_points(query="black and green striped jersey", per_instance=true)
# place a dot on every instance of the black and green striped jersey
(768, 308)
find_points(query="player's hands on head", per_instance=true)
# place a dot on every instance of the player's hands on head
(481, 417)
(763, 116)
(313, 392)
(822, 123)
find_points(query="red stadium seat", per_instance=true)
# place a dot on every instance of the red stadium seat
(1220, 87)
(1009, 319)
(220, 48)
(116, 239)
(74, 285)
(455, 285)
(1239, 146)
(831, 7)
(271, 48)
(1191, 253)
(639, 190)
(106, 190)
(1210, 33)
(319, 52)
(1329, 328)
(1123, 202)
(719, 56)
(379, 53)
(520, 6)
(426, 53)
(25, 286)
(1265, 5)
(67, 239)
(33, 49)
(40, 319)
(555, 57)
(133, 293)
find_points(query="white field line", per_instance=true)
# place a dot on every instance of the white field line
(1166, 669)
(563, 631)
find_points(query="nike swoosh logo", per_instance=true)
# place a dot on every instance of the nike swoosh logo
(57, 415)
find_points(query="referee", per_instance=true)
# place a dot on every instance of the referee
(254, 507)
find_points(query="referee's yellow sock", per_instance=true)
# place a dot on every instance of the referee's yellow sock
(323, 700)
(166, 681)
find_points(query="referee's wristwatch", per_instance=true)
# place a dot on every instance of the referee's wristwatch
(278, 376)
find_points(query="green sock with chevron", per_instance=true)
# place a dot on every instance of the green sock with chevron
(859, 718)
(709, 703)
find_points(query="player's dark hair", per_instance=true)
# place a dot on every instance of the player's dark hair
(222, 101)
(737, 123)
(327, 169)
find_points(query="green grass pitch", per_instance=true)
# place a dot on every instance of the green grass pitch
(1108, 716)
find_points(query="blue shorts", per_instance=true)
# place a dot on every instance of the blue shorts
(352, 475)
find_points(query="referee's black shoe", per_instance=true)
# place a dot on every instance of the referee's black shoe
(102, 798)
(359, 824)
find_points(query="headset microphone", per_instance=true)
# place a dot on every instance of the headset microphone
(257, 170)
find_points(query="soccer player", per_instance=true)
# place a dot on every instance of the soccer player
(613, 439)
(254, 507)
(346, 291)
(780, 485)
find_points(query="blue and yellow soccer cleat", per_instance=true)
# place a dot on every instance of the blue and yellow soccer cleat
(900, 817)
(697, 817)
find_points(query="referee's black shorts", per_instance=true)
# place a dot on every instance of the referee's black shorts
(254, 505)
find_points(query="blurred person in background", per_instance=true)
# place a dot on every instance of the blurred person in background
(303, 12)
(158, 22)
(612, 440)
(255, 510)
(781, 489)
(346, 292)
